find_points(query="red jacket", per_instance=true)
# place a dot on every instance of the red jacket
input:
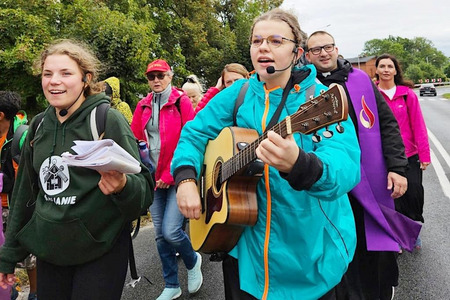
(212, 91)
(171, 121)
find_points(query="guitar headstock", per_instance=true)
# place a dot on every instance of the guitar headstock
(327, 108)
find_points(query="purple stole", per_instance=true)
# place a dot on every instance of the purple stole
(385, 228)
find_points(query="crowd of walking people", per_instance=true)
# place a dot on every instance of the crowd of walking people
(332, 212)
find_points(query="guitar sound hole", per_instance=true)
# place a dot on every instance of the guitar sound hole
(217, 178)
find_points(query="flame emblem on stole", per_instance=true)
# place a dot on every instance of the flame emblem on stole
(365, 111)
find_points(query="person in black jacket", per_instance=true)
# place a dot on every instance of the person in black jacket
(10, 120)
(373, 272)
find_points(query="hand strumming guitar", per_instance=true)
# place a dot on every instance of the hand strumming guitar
(188, 200)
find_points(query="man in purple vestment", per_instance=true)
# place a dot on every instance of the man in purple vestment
(380, 229)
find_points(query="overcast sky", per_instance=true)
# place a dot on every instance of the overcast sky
(353, 22)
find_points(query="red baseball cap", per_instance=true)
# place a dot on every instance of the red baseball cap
(158, 65)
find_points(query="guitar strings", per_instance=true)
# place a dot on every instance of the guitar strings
(248, 154)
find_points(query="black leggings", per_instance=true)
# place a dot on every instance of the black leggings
(232, 286)
(102, 278)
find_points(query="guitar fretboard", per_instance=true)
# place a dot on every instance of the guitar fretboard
(248, 154)
(327, 108)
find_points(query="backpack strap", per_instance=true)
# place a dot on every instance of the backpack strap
(239, 100)
(177, 104)
(39, 118)
(98, 120)
(15, 145)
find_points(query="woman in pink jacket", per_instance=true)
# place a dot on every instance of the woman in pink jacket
(158, 120)
(406, 108)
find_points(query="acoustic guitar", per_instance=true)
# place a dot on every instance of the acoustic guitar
(231, 171)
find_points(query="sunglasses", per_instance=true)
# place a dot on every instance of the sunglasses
(152, 77)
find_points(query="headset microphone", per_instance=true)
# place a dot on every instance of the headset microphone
(63, 112)
(271, 69)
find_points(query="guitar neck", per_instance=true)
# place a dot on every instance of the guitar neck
(327, 108)
(248, 154)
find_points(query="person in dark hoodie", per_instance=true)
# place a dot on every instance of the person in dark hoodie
(11, 118)
(75, 220)
(373, 272)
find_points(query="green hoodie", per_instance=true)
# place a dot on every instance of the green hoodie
(70, 220)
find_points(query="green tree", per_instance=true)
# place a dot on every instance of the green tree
(197, 37)
(419, 58)
(447, 71)
(210, 33)
(121, 43)
(22, 36)
(422, 71)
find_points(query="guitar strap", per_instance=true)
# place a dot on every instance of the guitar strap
(276, 115)
(239, 100)
(274, 119)
(296, 77)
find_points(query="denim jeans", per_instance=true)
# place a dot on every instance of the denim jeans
(170, 237)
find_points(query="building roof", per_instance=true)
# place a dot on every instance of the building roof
(354, 60)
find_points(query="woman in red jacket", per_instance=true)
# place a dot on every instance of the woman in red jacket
(158, 120)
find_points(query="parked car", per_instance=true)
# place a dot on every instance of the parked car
(427, 89)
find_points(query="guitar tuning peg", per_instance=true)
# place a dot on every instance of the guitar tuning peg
(316, 138)
(339, 128)
(327, 133)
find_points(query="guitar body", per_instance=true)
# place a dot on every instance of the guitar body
(229, 206)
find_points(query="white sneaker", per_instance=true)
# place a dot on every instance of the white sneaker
(170, 293)
(195, 277)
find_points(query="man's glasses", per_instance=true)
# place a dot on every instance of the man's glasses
(273, 40)
(160, 76)
(316, 50)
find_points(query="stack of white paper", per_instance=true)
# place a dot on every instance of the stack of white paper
(102, 155)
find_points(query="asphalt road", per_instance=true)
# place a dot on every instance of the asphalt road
(149, 265)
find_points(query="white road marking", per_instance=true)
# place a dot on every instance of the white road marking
(443, 180)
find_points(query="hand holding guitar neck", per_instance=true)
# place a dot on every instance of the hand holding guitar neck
(280, 153)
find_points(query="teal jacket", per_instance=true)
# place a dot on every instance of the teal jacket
(311, 235)
(59, 213)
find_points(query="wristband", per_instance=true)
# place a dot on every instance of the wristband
(187, 180)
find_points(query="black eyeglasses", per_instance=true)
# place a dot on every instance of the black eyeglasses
(160, 76)
(273, 40)
(316, 50)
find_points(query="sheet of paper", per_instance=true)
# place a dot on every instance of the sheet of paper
(102, 155)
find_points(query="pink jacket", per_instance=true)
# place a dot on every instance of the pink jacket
(212, 91)
(170, 124)
(411, 122)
